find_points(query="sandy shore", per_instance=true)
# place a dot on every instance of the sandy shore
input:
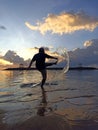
(69, 118)
(50, 122)
(71, 104)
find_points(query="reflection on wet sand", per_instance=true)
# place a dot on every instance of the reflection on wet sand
(42, 107)
(46, 118)
(64, 106)
(42, 121)
(78, 119)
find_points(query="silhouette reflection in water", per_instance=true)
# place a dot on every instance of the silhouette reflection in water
(42, 107)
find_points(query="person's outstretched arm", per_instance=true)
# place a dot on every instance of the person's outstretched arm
(52, 57)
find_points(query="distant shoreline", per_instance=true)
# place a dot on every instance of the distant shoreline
(55, 68)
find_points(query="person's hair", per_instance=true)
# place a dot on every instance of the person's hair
(41, 50)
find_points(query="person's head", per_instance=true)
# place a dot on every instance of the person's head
(41, 50)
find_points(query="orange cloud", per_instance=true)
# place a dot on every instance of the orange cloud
(87, 43)
(65, 23)
(5, 62)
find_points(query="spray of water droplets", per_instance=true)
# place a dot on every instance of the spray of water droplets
(63, 62)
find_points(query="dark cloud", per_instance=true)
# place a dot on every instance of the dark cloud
(13, 57)
(2, 27)
(86, 56)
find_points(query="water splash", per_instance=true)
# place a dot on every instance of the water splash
(63, 62)
(64, 58)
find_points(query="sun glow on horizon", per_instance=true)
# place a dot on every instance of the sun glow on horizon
(5, 62)
(27, 53)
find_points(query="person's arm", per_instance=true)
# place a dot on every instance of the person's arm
(30, 64)
(33, 59)
(52, 57)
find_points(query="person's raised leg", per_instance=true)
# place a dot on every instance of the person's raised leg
(50, 64)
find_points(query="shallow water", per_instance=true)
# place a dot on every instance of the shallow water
(73, 96)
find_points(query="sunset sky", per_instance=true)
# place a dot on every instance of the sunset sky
(25, 24)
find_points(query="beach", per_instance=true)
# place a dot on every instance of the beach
(69, 102)
(50, 122)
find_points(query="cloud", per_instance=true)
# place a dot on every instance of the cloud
(88, 43)
(65, 23)
(12, 59)
(88, 56)
(93, 43)
(11, 56)
(2, 27)
(5, 62)
(36, 49)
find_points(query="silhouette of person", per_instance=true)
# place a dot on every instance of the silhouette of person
(39, 58)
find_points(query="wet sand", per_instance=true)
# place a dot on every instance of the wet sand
(62, 106)
(48, 117)
(2, 125)
(50, 122)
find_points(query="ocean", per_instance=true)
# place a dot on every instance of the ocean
(73, 95)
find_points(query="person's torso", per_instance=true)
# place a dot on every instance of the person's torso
(40, 61)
